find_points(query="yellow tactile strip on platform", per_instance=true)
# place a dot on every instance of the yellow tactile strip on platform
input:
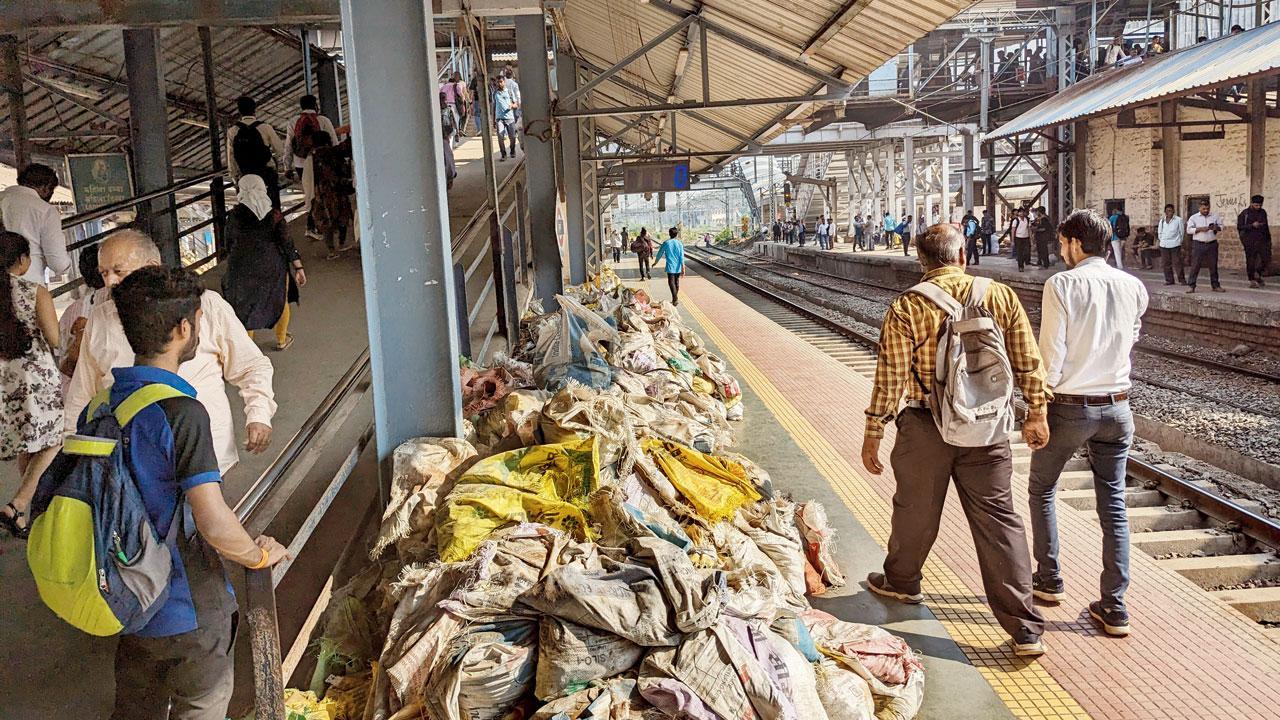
(1025, 687)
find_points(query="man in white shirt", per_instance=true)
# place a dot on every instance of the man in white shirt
(1021, 235)
(1115, 51)
(1203, 228)
(254, 156)
(297, 151)
(226, 353)
(26, 210)
(1169, 235)
(1090, 318)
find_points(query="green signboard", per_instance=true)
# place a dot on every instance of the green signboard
(99, 179)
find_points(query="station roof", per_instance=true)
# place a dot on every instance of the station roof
(1205, 65)
(78, 101)
(847, 39)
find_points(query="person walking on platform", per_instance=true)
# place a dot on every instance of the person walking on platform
(1255, 235)
(1020, 233)
(969, 226)
(988, 231)
(253, 147)
(1169, 236)
(890, 228)
(801, 232)
(26, 210)
(775, 231)
(615, 244)
(179, 665)
(31, 425)
(504, 115)
(1203, 228)
(1043, 229)
(904, 231)
(642, 246)
(517, 102)
(226, 354)
(859, 233)
(924, 465)
(334, 188)
(299, 142)
(672, 250)
(1090, 318)
(264, 269)
(1119, 234)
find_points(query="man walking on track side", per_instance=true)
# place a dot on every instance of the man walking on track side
(1090, 319)
(924, 464)
(672, 250)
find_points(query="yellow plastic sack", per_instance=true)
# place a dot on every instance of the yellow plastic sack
(299, 705)
(544, 483)
(715, 487)
(704, 386)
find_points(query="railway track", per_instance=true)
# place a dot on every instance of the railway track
(1225, 546)
(1187, 358)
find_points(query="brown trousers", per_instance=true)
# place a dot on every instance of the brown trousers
(924, 466)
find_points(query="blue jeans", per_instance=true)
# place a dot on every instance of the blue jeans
(1106, 431)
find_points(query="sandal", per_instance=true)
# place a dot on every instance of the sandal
(10, 522)
(288, 343)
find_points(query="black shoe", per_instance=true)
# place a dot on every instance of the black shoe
(1114, 622)
(1170, 283)
(1219, 289)
(1049, 590)
(877, 584)
(10, 522)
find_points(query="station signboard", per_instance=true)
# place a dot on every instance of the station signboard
(99, 179)
(655, 177)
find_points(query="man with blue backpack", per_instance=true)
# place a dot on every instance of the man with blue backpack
(130, 524)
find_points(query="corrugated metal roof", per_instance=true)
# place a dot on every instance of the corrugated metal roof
(850, 37)
(89, 66)
(1206, 65)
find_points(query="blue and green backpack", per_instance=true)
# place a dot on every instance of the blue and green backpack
(95, 555)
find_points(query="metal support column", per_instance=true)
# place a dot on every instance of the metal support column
(217, 192)
(327, 85)
(966, 172)
(592, 227)
(571, 163)
(909, 173)
(531, 53)
(407, 261)
(149, 139)
(946, 181)
(1079, 160)
(11, 80)
(984, 126)
(1257, 163)
(891, 177)
(307, 71)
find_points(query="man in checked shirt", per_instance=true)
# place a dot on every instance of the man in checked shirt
(924, 465)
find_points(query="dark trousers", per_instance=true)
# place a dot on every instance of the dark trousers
(617, 255)
(507, 136)
(924, 467)
(1257, 255)
(1106, 432)
(906, 242)
(988, 248)
(673, 284)
(1022, 251)
(971, 250)
(181, 677)
(1204, 254)
(859, 240)
(1042, 250)
(1170, 260)
(645, 271)
(335, 237)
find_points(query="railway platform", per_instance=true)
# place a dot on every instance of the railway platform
(1191, 655)
(1239, 315)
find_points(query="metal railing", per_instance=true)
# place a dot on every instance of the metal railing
(274, 489)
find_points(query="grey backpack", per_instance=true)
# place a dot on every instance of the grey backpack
(971, 397)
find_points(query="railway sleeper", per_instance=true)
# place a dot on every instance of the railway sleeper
(1195, 541)
(1134, 497)
(1261, 604)
(1228, 570)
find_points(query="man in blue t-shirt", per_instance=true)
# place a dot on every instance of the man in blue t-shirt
(673, 251)
(179, 666)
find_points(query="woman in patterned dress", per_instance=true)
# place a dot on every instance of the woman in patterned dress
(30, 386)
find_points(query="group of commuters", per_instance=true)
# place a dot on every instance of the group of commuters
(1075, 382)
(670, 252)
(1194, 242)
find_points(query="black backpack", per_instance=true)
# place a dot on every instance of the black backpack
(1122, 226)
(249, 149)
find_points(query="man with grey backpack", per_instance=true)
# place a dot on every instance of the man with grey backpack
(956, 345)
(1091, 315)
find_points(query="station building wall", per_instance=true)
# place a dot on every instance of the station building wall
(1121, 163)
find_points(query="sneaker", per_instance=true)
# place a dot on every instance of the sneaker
(1114, 622)
(312, 234)
(1026, 644)
(877, 584)
(1219, 289)
(1049, 590)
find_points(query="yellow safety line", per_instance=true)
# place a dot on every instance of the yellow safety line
(1026, 688)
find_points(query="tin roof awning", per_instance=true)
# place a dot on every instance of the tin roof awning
(1228, 59)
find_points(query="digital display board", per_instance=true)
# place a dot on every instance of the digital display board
(656, 177)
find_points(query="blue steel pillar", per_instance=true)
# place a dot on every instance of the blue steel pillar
(404, 222)
(571, 164)
(149, 139)
(540, 163)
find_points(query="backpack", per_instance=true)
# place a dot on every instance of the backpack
(249, 149)
(971, 397)
(1122, 226)
(97, 560)
(303, 141)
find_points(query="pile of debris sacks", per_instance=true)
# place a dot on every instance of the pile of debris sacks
(593, 550)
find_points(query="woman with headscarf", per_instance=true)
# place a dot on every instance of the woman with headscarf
(264, 269)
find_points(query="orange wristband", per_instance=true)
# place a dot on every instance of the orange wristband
(262, 562)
